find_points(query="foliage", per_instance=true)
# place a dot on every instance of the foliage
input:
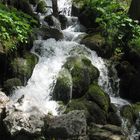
(15, 27)
(118, 28)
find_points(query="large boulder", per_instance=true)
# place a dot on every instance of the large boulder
(93, 112)
(20, 123)
(83, 74)
(45, 32)
(97, 43)
(63, 87)
(71, 126)
(97, 95)
(22, 67)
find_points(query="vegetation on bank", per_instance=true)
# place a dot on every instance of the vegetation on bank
(15, 27)
(112, 16)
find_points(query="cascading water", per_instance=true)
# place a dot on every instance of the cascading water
(52, 55)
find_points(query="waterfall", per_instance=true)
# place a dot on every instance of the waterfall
(52, 55)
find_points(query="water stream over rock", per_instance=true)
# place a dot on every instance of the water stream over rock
(52, 55)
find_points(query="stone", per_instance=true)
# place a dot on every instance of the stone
(92, 111)
(97, 95)
(69, 125)
(18, 122)
(97, 43)
(83, 74)
(22, 67)
(41, 7)
(63, 87)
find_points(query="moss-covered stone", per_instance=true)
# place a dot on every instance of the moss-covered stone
(63, 87)
(41, 7)
(97, 43)
(83, 74)
(93, 112)
(23, 67)
(10, 84)
(96, 94)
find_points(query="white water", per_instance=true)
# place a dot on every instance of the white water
(52, 55)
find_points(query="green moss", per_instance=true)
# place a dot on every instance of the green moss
(96, 94)
(83, 74)
(23, 67)
(10, 84)
(34, 2)
(62, 90)
(41, 7)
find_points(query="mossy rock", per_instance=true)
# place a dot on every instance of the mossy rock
(127, 113)
(41, 7)
(23, 67)
(97, 43)
(96, 94)
(93, 112)
(10, 84)
(63, 87)
(83, 74)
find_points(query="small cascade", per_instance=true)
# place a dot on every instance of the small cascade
(52, 55)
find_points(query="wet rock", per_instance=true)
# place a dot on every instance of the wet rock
(97, 95)
(63, 87)
(20, 123)
(22, 67)
(93, 112)
(46, 33)
(106, 132)
(97, 43)
(63, 21)
(41, 7)
(3, 101)
(71, 125)
(83, 74)
(10, 84)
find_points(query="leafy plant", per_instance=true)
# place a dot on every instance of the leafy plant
(15, 27)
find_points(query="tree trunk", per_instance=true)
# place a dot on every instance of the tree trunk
(134, 10)
(55, 8)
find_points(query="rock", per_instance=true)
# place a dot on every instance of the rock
(10, 84)
(20, 123)
(41, 7)
(93, 112)
(83, 74)
(63, 87)
(97, 95)
(97, 43)
(47, 33)
(3, 101)
(106, 132)
(71, 125)
(49, 20)
(23, 67)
